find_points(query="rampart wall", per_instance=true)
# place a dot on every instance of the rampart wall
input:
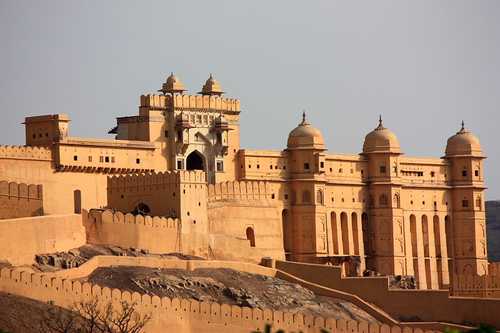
(20, 200)
(404, 305)
(25, 153)
(156, 234)
(244, 222)
(63, 192)
(21, 239)
(191, 102)
(183, 315)
(153, 233)
(476, 285)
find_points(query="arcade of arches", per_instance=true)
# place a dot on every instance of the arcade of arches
(351, 234)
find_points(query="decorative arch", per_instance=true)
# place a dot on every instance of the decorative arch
(397, 201)
(355, 233)
(319, 197)
(335, 233)
(195, 161)
(77, 201)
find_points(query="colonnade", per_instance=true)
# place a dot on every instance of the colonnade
(430, 251)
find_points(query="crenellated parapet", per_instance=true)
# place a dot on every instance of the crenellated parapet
(20, 200)
(239, 190)
(188, 102)
(119, 218)
(155, 180)
(25, 153)
(21, 190)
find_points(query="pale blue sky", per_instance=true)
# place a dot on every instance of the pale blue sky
(424, 65)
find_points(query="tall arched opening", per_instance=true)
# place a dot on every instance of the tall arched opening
(287, 232)
(355, 233)
(195, 161)
(77, 201)
(251, 236)
(335, 233)
(345, 233)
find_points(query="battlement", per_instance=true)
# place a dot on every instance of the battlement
(21, 190)
(191, 102)
(145, 180)
(239, 190)
(172, 314)
(26, 153)
(20, 200)
(116, 217)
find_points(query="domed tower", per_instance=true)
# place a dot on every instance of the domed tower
(465, 175)
(385, 253)
(306, 163)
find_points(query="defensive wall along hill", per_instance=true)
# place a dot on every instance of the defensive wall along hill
(187, 315)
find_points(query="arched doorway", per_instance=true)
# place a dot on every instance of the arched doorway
(251, 236)
(77, 201)
(194, 161)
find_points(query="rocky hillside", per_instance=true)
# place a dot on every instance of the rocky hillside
(493, 229)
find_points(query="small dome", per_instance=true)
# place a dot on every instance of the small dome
(304, 136)
(381, 140)
(463, 143)
(211, 87)
(172, 85)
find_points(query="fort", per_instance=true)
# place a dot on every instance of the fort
(175, 179)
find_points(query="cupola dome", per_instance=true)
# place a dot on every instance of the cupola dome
(172, 85)
(211, 87)
(381, 140)
(304, 136)
(463, 143)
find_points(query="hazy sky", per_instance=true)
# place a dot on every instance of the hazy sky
(423, 65)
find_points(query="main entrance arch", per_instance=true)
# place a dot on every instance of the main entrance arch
(195, 161)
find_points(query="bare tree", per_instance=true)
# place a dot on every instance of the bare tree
(94, 317)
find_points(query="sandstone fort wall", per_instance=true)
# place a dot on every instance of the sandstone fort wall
(63, 192)
(426, 305)
(244, 222)
(21, 239)
(155, 234)
(183, 315)
(20, 200)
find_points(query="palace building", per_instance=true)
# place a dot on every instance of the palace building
(180, 157)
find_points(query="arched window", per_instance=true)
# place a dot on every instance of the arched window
(306, 196)
(397, 202)
(319, 197)
(382, 200)
(251, 236)
(479, 203)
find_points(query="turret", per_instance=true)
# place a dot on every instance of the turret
(465, 160)
(382, 150)
(306, 162)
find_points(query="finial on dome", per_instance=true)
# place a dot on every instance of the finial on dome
(463, 125)
(304, 120)
(380, 123)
